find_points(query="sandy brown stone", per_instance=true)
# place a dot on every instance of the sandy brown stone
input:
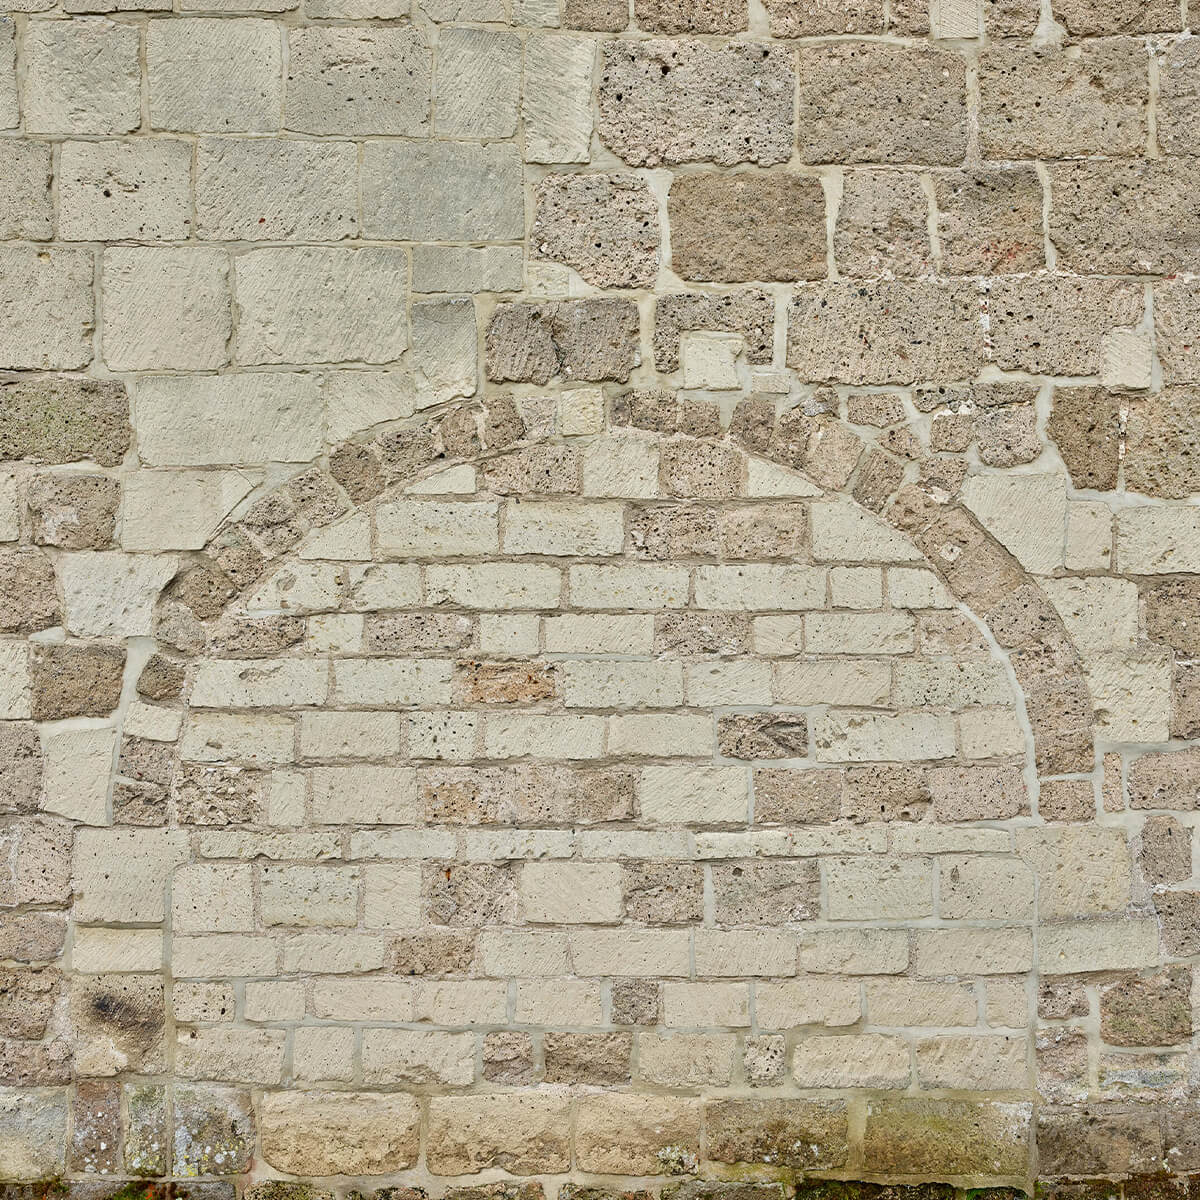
(508, 1058)
(76, 681)
(747, 226)
(882, 225)
(663, 893)
(990, 221)
(1172, 614)
(471, 894)
(635, 1001)
(672, 531)
(691, 16)
(1178, 72)
(219, 795)
(358, 470)
(605, 226)
(1151, 1010)
(885, 794)
(1179, 913)
(20, 768)
(762, 735)
(1185, 700)
(32, 937)
(817, 18)
(766, 893)
(438, 952)
(947, 1136)
(790, 1133)
(1165, 854)
(1162, 445)
(796, 797)
(74, 512)
(505, 683)
(1170, 780)
(750, 313)
(1086, 426)
(701, 633)
(598, 1059)
(977, 793)
(28, 592)
(161, 678)
(1098, 1140)
(606, 15)
(27, 999)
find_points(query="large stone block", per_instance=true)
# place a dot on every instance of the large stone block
(521, 1134)
(588, 340)
(686, 101)
(990, 221)
(953, 1137)
(747, 226)
(371, 79)
(46, 312)
(25, 203)
(556, 107)
(218, 76)
(866, 102)
(478, 84)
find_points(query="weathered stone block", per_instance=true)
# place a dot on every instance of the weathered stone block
(957, 1137)
(522, 1134)
(821, 18)
(789, 1133)
(869, 102)
(1047, 103)
(748, 226)
(359, 80)
(1161, 444)
(81, 76)
(604, 226)
(686, 101)
(589, 340)
(882, 225)
(990, 221)
(1086, 425)
(919, 330)
(478, 83)
(556, 107)
(47, 310)
(25, 176)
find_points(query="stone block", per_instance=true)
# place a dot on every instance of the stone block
(33, 1131)
(48, 318)
(1043, 102)
(686, 101)
(747, 226)
(522, 1134)
(82, 76)
(955, 1137)
(478, 84)
(604, 226)
(691, 16)
(589, 340)
(556, 106)
(990, 221)
(882, 225)
(76, 681)
(824, 18)
(444, 350)
(636, 1134)
(367, 80)
(61, 419)
(217, 76)
(867, 102)
(73, 512)
(25, 175)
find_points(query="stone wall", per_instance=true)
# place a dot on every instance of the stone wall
(599, 598)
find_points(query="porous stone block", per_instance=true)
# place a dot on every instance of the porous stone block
(882, 225)
(25, 176)
(73, 512)
(747, 226)
(990, 221)
(823, 18)
(589, 340)
(870, 102)
(686, 101)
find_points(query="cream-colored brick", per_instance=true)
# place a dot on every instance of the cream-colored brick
(95, 950)
(337, 633)
(308, 896)
(380, 998)
(871, 1060)
(844, 532)
(985, 887)
(365, 795)
(563, 528)
(260, 683)
(224, 955)
(628, 587)
(112, 594)
(415, 1056)
(686, 735)
(237, 1055)
(431, 529)
(120, 875)
(756, 587)
(818, 1000)
(549, 735)
(229, 737)
(1131, 692)
(504, 953)
(866, 683)
(856, 587)
(588, 683)
(384, 585)
(855, 951)
(621, 467)
(858, 633)
(712, 684)
(442, 735)
(461, 1002)
(672, 795)
(571, 893)
(349, 734)
(323, 1052)
(653, 953)
(865, 889)
(274, 1000)
(1080, 869)
(588, 633)
(1108, 944)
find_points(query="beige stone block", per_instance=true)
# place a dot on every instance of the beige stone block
(636, 1135)
(879, 889)
(495, 585)
(212, 899)
(694, 795)
(257, 683)
(177, 510)
(523, 1134)
(571, 893)
(413, 1056)
(1106, 944)
(812, 1000)
(648, 953)
(95, 950)
(563, 528)
(686, 1060)
(224, 737)
(985, 888)
(1080, 870)
(973, 1063)
(120, 875)
(1131, 692)
(852, 1060)
(556, 106)
(78, 764)
(349, 734)
(967, 952)
(913, 1002)
(274, 1001)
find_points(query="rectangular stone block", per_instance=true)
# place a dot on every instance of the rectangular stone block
(523, 1134)
(47, 308)
(556, 105)
(564, 528)
(956, 1137)
(442, 191)
(25, 189)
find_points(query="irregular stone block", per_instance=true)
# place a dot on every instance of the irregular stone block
(28, 592)
(1147, 1010)
(747, 226)
(76, 681)
(587, 340)
(33, 1132)
(866, 102)
(1098, 1139)
(604, 226)
(686, 101)
(214, 1130)
(73, 512)
(1086, 425)
(1162, 452)
(750, 313)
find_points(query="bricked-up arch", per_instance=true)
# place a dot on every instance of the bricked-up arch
(920, 501)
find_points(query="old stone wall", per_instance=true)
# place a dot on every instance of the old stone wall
(599, 598)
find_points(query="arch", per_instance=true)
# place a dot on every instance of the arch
(919, 498)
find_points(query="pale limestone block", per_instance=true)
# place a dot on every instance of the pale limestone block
(508, 633)
(1080, 869)
(445, 351)
(710, 361)
(694, 795)
(865, 683)
(1100, 614)
(524, 955)
(359, 80)
(813, 1001)
(685, 1059)
(871, 1060)
(137, 190)
(628, 587)
(557, 105)
(597, 633)
(967, 952)
(568, 528)
(856, 587)
(348, 540)
(380, 999)
(986, 887)
(535, 12)
(120, 875)
(25, 198)
(442, 191)
(543, 736)
(755, 587)
(384, 585)
(913, 1002)
(452, 481)
(224, 956)
(391, 682)
(571, 893)
(495, 585)
(414, 1056)
(286, 798)
(855, 951)
(1026, 513)
(152, 721)
(840, 736)
(78, 766)
(325, 735)
(1131, 693)
(165, 308)
(240, 418)
(478, 86)
(391, 896)
(46, 309)
(320, 304)
(580, 411)
(713, 684)
(879, 889)
(646, 734)
(111, 594)
(859, 633)
(323, 1053)
(428, 529)
(990, 733)
(646, 953)
(591, 683)
(338, 953)
(229, 737)
(260, 683)
(768, 479)
(297, 588)
(735, 953)
(15, 684)
(10, 509)
(1126, 359)
(209, 898)
(95, 950)
(1108, 944)
(1089, 536)
(215, 76)
(561, 1002)
(33, 1131)
(915, 587)
(439, 269)
(844, 532)
(613, 466)
(259, 189)
(178, 510)
(973, 1063)
(324, 896)
(1158, 540)
(81, 76)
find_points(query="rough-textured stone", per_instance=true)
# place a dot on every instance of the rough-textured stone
(749, 313)
(60, 419)
(1039, 102)
(28, 592)
(990, 221)
(1086, 425)
(952, 1136)
(673, 102)
(586, 340)
(76, 681)
(1178, 72)
(604, 226)
(74, 512)
(870, 102)
(788, 1133)
(817, 18)
(882, 225)
(748, 226)
(1162, 455)
(48, 314)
